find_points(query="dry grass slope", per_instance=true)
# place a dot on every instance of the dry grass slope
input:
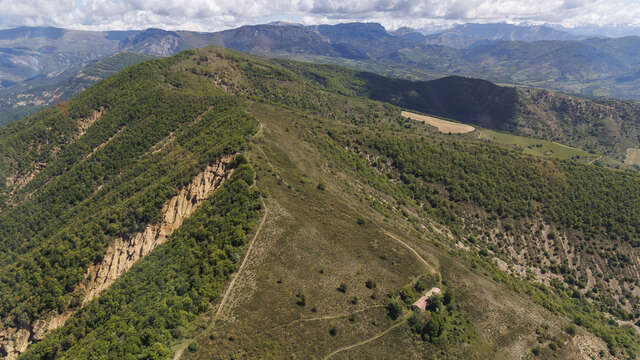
(312, 242)
(444, 126)
(633, 157)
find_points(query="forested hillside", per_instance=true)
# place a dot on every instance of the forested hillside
(602, 127)
(220, 205)
(29, 96)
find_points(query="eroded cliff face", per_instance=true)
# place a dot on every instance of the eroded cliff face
(120, 256)
(124, 252)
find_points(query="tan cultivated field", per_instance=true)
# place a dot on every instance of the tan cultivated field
(633, 156)
(443, 126)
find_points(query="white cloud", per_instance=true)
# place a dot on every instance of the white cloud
(211, 15)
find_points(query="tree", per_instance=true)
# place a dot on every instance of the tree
(394, 309)
(434, 304)
(435, 327)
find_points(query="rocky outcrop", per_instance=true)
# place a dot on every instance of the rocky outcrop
(124, 252)
(121, 255)
(85, 123)
(14, 341)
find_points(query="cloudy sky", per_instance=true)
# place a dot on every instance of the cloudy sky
(213, 15)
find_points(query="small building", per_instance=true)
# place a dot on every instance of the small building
(421, 304)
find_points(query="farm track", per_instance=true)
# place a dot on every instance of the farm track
(326, 317)
(225, 296)
(180, 349)
(363, 342)
(420, 258)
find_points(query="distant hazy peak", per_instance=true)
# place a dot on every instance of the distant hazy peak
(466, 35)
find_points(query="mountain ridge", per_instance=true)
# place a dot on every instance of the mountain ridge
(517, 241)
(591, 67)
(469, 35)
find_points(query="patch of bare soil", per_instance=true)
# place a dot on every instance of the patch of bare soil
(633, 157)
(443, 126)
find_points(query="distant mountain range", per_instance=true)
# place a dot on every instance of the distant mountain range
(468, 35)
(41, 63)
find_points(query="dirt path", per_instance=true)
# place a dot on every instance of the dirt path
(363, 342)
(326, 317)
(594, 160)
(444, 126)
(422, 260)
(244, 261)
(180, 349)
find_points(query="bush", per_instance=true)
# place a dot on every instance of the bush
(370, 284)
(536, 350)
(447, 299)
(571, 330)
(193, 347)
(176, 333)
(342, 288)
(333, 331)
(301, 300)
(435, 303)
(320, 187)
(394, 310)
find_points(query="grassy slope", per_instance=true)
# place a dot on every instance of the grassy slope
(312, 242)
(329, 206)
(537, 147)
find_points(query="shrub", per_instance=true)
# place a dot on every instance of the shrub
(193, 347)
(176, 333)
(370, 284)
(394, 310)
(536, 350)
(342, 288)
(435, 303)
(447, 299)
(333, 331)
(301, 300)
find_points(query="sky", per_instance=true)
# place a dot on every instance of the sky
(214, 15)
